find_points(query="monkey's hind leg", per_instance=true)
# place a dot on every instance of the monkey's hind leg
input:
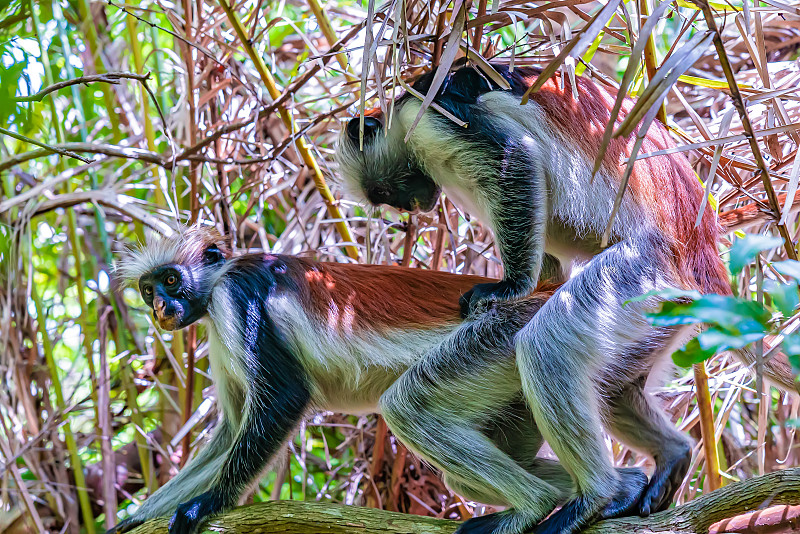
(639, 423)
(562, 354)
(515, 432)
(437, 408)
(472, 463)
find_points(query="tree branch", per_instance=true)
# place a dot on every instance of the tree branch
(107, 77)
(295, 517)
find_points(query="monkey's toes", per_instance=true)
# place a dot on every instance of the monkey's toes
(664, 484)
(479, 299)
(625, 502)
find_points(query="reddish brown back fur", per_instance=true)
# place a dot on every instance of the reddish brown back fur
(380, 295)
(665, 185)
(361, 297)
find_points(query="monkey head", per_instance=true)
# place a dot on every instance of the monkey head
(385, 171)
(175, 275)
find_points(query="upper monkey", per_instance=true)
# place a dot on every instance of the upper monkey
(526, 170)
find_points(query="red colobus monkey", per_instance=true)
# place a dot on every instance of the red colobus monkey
(288, 335)
(527, 172)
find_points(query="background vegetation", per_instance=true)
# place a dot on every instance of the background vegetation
(226, 113)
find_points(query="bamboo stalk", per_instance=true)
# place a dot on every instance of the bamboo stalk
(125, 371)
(478, 37)
(131, 399)
(147, 120)
(194, 210)
(330, 36)
(650, 61)
(707, 427)
(72, 232)
(302, 147)
(90, 35)
(83, 318)
(25, 495)
(378, 454)
(736, 97)
(69, 438)
(104, 424)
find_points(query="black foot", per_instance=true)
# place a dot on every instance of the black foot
(124, 526)
(191, 514)
(573, 517)
(626, 501)
(665, 482)
(481, 296)
(505, 522)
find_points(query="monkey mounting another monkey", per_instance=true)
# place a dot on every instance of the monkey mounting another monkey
(527, 172)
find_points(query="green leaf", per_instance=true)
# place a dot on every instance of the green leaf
(668, 293)
(717, 340)
(744, 250)
(791, 347)
(729, 313)
(788, 268)
(691, 354)
(784, 296)
(791, 344)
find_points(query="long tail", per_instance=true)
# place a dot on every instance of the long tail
(751, 214)
(777, 369)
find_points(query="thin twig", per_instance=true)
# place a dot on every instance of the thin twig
(51, 148)
(107, 77)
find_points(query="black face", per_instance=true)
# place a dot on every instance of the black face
(408, 191)
(385, 176)
(175, 293)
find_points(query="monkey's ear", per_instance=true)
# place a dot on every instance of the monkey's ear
(213, 255)
(467, 84)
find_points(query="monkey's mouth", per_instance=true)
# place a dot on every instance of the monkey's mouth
(168, 322)
(422, 206)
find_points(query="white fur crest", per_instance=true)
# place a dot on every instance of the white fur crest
(183, 247)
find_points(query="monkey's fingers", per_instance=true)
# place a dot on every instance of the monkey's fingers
(191, 514)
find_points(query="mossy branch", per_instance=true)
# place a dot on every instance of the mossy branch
(295, 517)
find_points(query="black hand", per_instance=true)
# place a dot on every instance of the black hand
(191, 514)
(482, 294)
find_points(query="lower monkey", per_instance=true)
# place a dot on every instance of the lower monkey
(288, 335)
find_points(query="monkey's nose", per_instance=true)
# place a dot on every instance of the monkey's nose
(158, 306)
(371, 127)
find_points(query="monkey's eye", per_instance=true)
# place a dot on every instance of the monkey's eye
(381, 193)
(171, 280)
(148, 290)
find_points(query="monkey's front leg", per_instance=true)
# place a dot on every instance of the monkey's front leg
(513, 186)
(265, 429)
(199, 473)
(276, 400)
